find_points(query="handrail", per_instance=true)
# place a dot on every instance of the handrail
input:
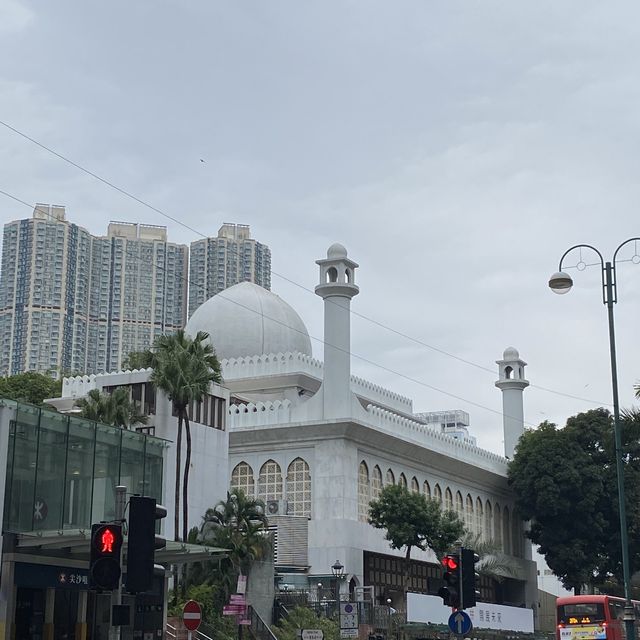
(172, 632)
(261, 630)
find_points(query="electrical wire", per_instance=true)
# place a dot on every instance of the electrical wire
(281, 276)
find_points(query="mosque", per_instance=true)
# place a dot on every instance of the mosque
(317, 444)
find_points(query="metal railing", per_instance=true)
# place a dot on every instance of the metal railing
(259, 628)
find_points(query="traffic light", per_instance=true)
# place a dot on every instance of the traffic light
(142, 542)
(469, 577)
(104, 563)
(450, 592)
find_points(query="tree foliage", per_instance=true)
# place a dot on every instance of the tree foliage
(413, 520)
(305, 618)
(565, 485)
(116, 408)
(30, 387)
(237, 524)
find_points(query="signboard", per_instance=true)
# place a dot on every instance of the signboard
(421, 608)
(348, 616)
(41, 576)
(312, 634)
(191, 615)
(584, 632)
(349, 633)
(460, 623)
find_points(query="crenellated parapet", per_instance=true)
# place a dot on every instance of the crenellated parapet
(424, 435)
(272, 364)
(259, 414)
(78, 386)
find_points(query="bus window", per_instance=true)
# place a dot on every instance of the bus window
(581, 613)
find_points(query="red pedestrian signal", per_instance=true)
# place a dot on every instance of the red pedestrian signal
(106, 540)
(450, 562)
(104, 562)
(450, 590)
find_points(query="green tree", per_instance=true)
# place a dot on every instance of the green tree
(183, 367)
(30, 387)
(116, 408)
(305, 618)
(413, 520)
(138, 360)
(237, 524)
(565, 485)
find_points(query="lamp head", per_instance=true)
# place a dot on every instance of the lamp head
(560, 283)
(337, 569)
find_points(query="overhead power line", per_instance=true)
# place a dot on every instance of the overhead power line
(422, 343)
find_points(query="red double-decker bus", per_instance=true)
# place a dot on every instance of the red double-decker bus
(591, 618)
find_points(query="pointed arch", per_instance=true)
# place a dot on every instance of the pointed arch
(376, 483)
(437, 494)
(459, 506)
(299, 488)
(242, 478)
(415, 486)
(479, 520)
(497, 526)
(468, 513)
(488, 522)
(506, 531)
(402, 480)
(364, 492)
(390, 478)
(426, 489)
(270, 481)
(448, 500)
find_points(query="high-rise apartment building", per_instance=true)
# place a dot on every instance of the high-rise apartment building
(232, 257)
(71, 301)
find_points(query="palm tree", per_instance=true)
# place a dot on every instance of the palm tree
(114, 408)
(239, 525)
(493, 563)
(183, 368)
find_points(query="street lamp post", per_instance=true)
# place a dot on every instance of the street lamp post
(561, 283)
(338, 572)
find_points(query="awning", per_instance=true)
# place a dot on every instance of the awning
(76, 542)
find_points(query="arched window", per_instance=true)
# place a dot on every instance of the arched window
(459, 506)
(299, 488)
(448, 500)
(426, 489)
(468, 514)
(390, 479)
(497, 526)
(376, 483)
(488, 522)
(332, 274)
(270, 481)
(517, 537)
(507, 372)
(415, 486)
(506, 528)
(479, 520)
(242, 478)
(402, 480)
(437, 494)
(363, 492)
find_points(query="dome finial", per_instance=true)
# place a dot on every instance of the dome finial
(336, 251)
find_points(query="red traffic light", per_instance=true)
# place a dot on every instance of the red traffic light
(107, 539)
(450, 562)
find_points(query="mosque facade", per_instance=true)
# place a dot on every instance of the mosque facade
(317, 444)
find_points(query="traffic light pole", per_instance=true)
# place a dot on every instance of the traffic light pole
(116, 597)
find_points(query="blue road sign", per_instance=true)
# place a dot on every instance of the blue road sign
(460, 623)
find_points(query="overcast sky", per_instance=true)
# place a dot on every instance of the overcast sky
(456, 149)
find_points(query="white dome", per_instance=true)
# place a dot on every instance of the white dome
(336, 251)
(510, 353)
(248, 320)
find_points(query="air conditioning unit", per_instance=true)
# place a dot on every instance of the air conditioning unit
(277, 508)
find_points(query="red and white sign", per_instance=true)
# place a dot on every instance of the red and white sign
(192, 615)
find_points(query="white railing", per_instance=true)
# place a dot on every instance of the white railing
(259, 414)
